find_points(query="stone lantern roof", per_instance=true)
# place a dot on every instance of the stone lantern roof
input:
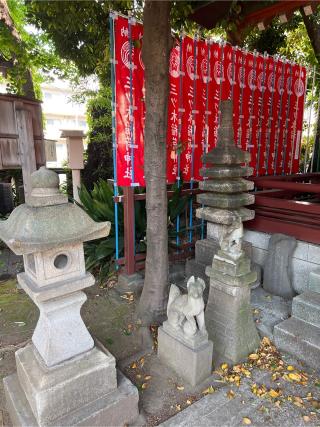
(47, 220)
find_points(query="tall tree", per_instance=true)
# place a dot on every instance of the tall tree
(312, 24)
(157, 42)
(16, 45)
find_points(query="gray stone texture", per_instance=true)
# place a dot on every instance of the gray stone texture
(230, 323)
(223, 216)
(194, 365)
(221, 201)
(300, 335)
(268, 311)
(299, 339)
(117, 408)
(305, 258)
(68, 386)
(62, 379)
(277, 269)
(306, 307)
(314, 280)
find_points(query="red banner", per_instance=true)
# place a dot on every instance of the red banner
(268, 100)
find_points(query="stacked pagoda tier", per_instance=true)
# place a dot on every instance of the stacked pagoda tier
(228, 312)
(223, 177)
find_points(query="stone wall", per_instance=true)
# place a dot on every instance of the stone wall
(306, 257)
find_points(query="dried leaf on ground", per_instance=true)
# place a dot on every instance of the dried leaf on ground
(208, 390)
(246, 421)
(141, 361)
(180, 387)
(274, 393)
(230, 394)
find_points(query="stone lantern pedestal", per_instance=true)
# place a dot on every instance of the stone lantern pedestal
(228, 313)
(62, 378)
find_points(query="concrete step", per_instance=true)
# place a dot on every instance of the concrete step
(299, 339)
(306, 307)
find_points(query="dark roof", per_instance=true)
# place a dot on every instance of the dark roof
(208, 14)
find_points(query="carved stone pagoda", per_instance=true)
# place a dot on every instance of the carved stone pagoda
(228, 313)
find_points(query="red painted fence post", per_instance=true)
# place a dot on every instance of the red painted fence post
(129, 219)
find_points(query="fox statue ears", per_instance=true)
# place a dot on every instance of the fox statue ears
(192, 281)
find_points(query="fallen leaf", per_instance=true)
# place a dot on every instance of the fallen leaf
(306, 418)
(294, 376)
(253, 356)
(138, 376)
(224, 366)
(315, 404)
(178, 407)
(290, 368)
(141, 361)
(246, 421)
(144, 385)
(133, 365)
(147, 377)
(189, 402)
(273, 393)
(230, 394)
(180, 387)
(208, 390)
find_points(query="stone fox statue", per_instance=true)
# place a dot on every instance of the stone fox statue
(186, 312)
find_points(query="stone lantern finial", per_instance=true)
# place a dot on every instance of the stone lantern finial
(45, 189)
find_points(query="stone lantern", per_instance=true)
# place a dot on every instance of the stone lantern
(62, 377)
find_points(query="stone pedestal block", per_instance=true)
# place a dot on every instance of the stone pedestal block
(229, 322)
(194, 365)
(52, 395)
(117, 408)
(58, 340)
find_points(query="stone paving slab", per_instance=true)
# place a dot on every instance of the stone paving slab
(218, 410)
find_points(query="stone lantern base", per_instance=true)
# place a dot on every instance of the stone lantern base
(86, 390)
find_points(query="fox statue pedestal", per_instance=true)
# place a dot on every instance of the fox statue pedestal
(183, 341)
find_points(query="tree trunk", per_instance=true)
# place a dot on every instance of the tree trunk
(6, 20)
(313, 30)
(155, 50)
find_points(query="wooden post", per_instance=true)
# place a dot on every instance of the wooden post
(76, 182)
(75, 157)
(26, 148)
(129, 241)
